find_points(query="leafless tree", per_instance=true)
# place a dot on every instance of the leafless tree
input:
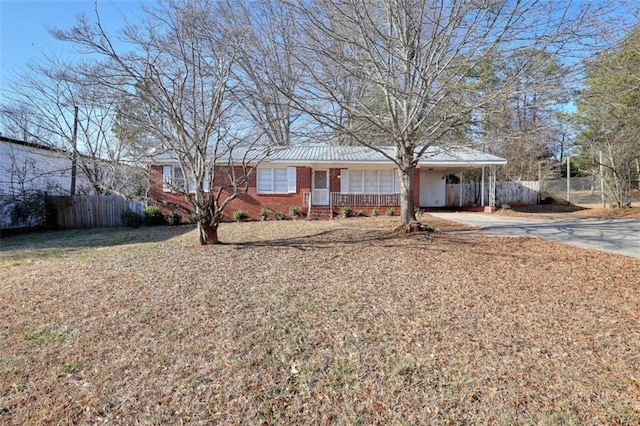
(17, 120)
(177, 78)
(267, 71)
(419, 57)
(46, 95)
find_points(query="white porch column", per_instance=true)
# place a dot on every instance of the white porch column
(482, 189)
(460, 186)
(492, 186)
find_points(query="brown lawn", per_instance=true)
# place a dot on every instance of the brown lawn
(315, 323)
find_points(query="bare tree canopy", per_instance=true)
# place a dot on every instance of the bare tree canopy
(198, 79)
(403, 68)
(609, 140)
(177, 82)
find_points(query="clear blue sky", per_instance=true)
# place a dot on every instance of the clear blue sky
(23, 29)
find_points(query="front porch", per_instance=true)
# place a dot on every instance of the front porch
(377, 191)
(381, 203)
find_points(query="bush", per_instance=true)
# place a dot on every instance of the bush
(390, 211)
(173, 218)
(152, 216)
(294, 212)
(193, 218)
(359, 213)
(264, 213)
(418, 211)
(240, 215)
(279, 215)
(345, 211)
(131, 219)
(374, 212)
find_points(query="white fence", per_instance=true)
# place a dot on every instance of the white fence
(512, 193)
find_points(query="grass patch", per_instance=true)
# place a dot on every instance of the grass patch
(46, 334)
(317, 322)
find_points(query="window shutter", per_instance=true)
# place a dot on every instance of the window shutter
(291, 178)
(166, 178)
(344, 181)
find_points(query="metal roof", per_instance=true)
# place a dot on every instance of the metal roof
(323, 154)
(360, 154)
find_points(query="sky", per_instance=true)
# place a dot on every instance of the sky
(23, 30)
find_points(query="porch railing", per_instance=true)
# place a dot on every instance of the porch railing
(364, 200)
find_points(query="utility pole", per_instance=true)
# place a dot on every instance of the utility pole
(74, 157)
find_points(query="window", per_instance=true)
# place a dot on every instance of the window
(173, 179)
(278, 180)
(369, 181)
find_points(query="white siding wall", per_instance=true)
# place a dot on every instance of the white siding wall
(29, 168)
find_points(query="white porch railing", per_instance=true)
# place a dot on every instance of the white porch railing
(364, 200)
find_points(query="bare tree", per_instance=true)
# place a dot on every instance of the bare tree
(46, 96)
(609, 120)
(267, 71)
(18, 120)
(418, 57)
(177, 79)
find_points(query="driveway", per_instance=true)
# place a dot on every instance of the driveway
(620, 236)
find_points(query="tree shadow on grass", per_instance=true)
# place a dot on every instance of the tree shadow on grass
(347, 236)
(88, 238)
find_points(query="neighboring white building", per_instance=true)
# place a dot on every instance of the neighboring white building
(28, 167)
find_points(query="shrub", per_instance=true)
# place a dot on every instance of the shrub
(418, 211)
(131, 219)
(294, 212)
(153, 216)
(279, 215)
(173, 218)
(374, 212)
(193, 218)
(390, 211)
(359, 213)
(264, 213)
(240, 215)
(345, 211)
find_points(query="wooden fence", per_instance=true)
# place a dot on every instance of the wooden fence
(512, 193)
(89, 211)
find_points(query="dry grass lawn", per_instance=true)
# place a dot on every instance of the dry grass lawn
(315, 323)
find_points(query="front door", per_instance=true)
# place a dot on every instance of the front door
(320, 191)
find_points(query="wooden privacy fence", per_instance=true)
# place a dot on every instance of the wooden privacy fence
(513, 193)
(89, 211)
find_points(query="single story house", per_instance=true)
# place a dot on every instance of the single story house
(320, 180)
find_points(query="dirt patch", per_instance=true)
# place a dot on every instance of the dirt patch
(321, 322)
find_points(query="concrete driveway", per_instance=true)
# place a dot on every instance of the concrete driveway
(620, 236)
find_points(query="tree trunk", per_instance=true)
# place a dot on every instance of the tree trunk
(407, 211)
(208, 233)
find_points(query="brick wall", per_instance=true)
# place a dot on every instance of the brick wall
(416, 187)
(251, 201)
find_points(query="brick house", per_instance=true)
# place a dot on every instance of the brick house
(322, 179)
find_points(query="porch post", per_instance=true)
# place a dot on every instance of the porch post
(482, 189)
(492, 186)
(460, 185)
(330, 203)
